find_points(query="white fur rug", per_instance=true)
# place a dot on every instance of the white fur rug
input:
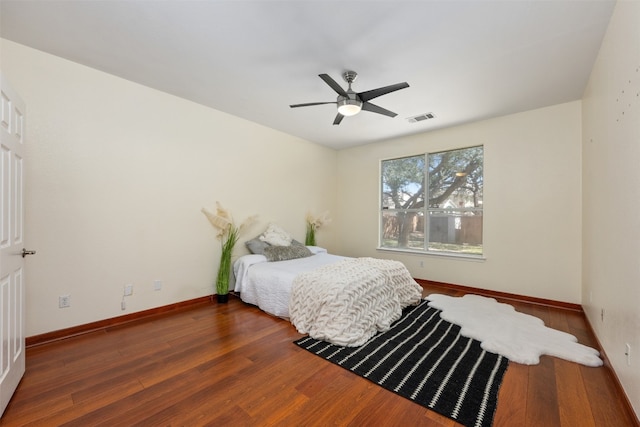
(519, 337)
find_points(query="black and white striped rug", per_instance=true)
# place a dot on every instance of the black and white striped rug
(426, 360)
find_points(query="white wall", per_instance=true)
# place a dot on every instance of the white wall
(611, 200)
(117, 174)
(532, 192)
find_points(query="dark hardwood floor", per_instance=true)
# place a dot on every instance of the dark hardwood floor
(233, 365)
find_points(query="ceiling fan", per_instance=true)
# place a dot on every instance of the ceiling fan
(349, 102)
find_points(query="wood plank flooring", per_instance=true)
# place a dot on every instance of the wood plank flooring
(233, 365)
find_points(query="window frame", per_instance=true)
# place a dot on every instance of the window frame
(426, 211)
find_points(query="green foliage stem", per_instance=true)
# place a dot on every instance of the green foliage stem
(224, 271)
(310, 237)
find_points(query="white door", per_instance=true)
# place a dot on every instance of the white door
(12, 286)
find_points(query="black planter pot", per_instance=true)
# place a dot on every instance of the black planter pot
(222, 299)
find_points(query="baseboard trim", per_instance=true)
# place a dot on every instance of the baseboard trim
(504, 295)
(62, 334)
(612, 372)
(75, 331)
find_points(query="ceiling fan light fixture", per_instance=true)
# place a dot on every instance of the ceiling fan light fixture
(349, 107)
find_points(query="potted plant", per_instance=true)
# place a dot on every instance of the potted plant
(313, 224)
(228, 234)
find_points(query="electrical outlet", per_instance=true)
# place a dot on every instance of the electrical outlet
(157, 285)
(602, 315)
(422, 264)
(128, 290)
(64, 301)
(627, 352)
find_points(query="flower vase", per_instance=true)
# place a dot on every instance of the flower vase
(222, 281)
(310, 237)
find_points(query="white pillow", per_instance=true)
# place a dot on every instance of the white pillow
(276, 236)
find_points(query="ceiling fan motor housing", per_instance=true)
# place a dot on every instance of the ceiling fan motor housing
(349, 105)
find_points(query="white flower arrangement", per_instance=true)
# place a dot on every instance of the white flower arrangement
(313, 225)
(228, 234)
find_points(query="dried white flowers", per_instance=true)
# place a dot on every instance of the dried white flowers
(313, 224)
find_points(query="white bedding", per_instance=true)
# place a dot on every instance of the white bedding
(268, 284)
(348, 302)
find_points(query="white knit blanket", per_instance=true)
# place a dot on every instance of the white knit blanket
(348, 302)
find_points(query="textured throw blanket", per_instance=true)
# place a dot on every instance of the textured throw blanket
(348, 302)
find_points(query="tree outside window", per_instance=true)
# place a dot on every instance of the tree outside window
(451, 183)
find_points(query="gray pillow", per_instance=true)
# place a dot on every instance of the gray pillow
(256, 246)
(284, 253)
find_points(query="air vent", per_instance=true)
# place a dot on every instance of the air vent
(421, 117)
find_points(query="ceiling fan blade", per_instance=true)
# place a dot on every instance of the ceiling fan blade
(338, 119)
(334, 85)
(375, 109)
(374, 93)
(308, 104)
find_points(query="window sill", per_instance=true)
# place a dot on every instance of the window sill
(450, 255)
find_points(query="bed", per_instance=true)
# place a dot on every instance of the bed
(345, 301)
(268, 284)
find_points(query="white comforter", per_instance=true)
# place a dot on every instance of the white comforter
(348, 302)
(268, 284)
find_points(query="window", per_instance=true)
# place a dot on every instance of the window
(450, 222)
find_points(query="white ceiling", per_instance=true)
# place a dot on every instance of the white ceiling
(464, 60)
